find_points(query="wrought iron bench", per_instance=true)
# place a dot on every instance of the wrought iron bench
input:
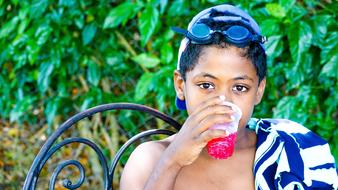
(51, 146)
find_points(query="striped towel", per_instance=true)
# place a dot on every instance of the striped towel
(290, 156)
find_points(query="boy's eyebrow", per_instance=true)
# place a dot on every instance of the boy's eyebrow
(205, 75)
(244, 77)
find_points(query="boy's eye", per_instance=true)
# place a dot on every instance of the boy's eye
(240, 88)
(206, 85)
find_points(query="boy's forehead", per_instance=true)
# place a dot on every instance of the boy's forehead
(223, 61)
(219, 53)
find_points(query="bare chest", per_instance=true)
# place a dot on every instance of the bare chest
(235, 173)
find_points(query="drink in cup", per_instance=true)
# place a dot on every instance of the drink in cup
(223, 147)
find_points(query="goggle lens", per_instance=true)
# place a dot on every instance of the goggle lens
(238, 33)
(201, 31)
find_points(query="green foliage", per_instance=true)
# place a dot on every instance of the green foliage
(61, 57)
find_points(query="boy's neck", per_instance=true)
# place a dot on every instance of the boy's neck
(246, 138)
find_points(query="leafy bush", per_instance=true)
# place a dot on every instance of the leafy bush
(61, 57)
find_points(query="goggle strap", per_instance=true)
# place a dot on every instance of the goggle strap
(260, 39)
(187, 34)
(180, 30)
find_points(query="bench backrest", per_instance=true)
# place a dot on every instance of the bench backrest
(50, 147)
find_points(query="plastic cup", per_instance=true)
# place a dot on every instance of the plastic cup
(223, 148)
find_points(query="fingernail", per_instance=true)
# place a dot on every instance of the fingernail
(232, 118)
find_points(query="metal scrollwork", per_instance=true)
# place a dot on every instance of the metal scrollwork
(66, 182)
(48, 149)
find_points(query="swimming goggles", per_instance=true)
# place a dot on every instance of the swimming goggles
(236, 34)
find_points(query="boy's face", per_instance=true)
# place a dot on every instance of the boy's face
(221, 71)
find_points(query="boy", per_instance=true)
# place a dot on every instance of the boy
(223, 59)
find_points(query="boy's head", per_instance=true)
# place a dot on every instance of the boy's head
(221, 27)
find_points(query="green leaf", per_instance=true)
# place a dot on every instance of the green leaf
(167, 54)
(3, 57)
(79, 22)
(51, 109)
(62, 89)
(56, 57)
(146, 60)
(160, 100)
(121, 14)
(21, 60)
(284, 107)
(15, 2)
(275, 10)
(311, 3)
(45, 71)
(177, 8)
(163, 5)
(23, 12)
(299, 40)
(287, 4)
(330, 47)
(296, 13)
(93, 73)
(270, 27)
(304, 94)
(168, 35)
(33, 51)
(88, 33)
(319, 29)
(147, 23)
(42, 34)
(2, 10)
(330, 69)
(299, 71)
(86, 103)
(288, 107)
(20, 108)
(114, 60)
(7, 28)
(38, 7)
(23, 25)
(274, 46)
(67, 3)
(142, 87)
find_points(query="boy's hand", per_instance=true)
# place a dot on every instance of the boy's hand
(194, 134)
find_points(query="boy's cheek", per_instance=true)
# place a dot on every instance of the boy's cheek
(247, 110)
(194, 101)
(191, 104)
(245, 118)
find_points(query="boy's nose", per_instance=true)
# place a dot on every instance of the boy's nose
(222, 97)
(225, 97)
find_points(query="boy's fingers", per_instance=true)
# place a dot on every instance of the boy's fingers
(207, 103)
(208, 135)
(213, 110)
(211, 120)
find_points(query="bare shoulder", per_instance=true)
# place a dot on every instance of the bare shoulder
(141, 163)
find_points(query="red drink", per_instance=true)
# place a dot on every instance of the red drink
(222, 148)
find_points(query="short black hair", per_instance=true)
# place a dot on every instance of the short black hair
(253, 51)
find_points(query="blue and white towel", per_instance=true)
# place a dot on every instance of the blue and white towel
(290, 156)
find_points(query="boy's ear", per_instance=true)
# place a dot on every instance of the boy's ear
(179, 85)
(260, 91)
